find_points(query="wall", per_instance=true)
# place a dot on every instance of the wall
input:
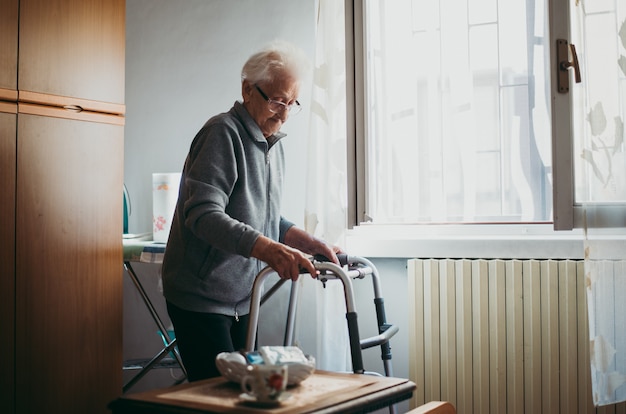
(183, 65)
(184, 62)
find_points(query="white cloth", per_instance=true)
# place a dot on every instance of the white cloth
(323, 314)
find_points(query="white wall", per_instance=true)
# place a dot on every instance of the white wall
(183, 65)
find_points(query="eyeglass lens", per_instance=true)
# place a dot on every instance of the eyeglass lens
(277, 106)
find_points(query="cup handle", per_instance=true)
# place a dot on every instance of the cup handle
(246, 386)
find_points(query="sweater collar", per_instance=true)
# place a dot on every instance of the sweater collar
(252, 126)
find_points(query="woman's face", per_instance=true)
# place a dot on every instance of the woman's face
(284, 89)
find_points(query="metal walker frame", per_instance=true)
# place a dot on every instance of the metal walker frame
(352, 267)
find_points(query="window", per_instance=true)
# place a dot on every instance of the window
(598, 29)
(457, 112)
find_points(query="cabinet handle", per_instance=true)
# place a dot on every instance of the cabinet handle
(73, 108)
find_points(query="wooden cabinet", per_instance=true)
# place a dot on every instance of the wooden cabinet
(8, 121)
(61, 172)
(7, 254)
(8, 49)
(68, 265)
(72, 48)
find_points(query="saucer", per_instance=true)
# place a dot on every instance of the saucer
(251, 400)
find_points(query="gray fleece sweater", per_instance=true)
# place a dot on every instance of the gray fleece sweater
(230, 194)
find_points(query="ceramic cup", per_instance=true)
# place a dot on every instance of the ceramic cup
(265, 383)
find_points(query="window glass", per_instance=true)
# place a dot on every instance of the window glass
(599, 34)
(457, 111)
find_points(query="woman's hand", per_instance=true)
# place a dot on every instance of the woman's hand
(286, 261)
(303, 241)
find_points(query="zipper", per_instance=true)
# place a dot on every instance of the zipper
(267, 218)
(268, 187)
(242, 300)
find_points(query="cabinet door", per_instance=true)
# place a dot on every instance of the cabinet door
(68, 265)
(73, 48)
(8, 49)
(7, 257)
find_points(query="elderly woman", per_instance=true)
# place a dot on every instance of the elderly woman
(227, 225)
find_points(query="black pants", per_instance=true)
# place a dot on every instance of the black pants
(201, 336)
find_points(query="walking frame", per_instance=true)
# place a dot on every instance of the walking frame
(352, 268)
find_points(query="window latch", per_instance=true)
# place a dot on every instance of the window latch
(564, 64)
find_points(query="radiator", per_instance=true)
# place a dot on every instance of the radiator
(501, 336)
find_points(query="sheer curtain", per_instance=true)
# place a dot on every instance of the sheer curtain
(605, 276)
(599, 34)
(326, 202)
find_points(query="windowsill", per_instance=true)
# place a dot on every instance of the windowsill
(512, 241)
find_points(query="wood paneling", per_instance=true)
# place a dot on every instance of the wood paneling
(8, 108)
(8, 44)
(68, 262)
(9, 95)
(72, 103)
(7, 258)
(8, 120)
(70, 113)
(61, 173)
(81, 45)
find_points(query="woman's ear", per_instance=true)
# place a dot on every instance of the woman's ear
(246, 90)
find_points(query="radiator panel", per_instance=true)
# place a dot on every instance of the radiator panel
(501, 336)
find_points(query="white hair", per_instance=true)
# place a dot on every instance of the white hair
(279, 58)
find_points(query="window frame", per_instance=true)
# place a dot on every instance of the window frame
(567, 215)
(562, 160)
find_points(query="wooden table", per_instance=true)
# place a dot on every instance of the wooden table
(322, 392)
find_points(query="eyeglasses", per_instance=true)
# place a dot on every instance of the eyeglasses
(278, 106)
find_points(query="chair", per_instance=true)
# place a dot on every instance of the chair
(434, 407)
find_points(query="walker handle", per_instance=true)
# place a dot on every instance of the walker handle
(343, 258)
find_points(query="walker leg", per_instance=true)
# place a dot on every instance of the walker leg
(355, 343)
(291, 319)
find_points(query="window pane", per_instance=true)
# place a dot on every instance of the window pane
(599, 34)
(458, 126)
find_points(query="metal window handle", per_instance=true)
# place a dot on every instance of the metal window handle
(564, 64)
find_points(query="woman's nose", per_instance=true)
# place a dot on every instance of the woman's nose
(283, 115)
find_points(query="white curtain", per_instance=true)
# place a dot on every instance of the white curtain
(605, 275)
(322, 325)
(599, 34)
